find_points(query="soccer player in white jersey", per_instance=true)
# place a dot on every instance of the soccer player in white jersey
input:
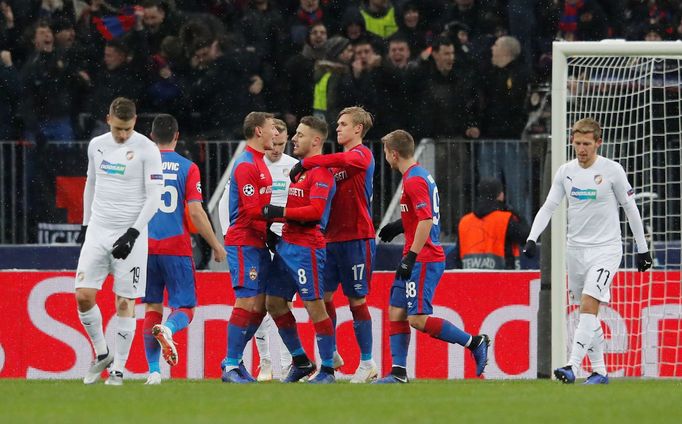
(595, 186)
(279, 164)
(122, 193)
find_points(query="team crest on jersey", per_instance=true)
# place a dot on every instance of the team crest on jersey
(285, 171)
(130, 155)
(598, 179)
(199, 187)
(253, 274)
(248, 190)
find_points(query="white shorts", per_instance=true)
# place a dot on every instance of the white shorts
(95, 262)
(590, 272)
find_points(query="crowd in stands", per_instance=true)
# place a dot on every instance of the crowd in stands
(439, 68)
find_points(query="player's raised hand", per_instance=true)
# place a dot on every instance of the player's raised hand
(644, 261)
(406, 264)
(124, 245)
(272, 211)
(391, 230)
(296, 170)
(81, 236)
(530, 249)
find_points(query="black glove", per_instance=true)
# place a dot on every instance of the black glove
(81, 236)
(271, 240)
(391, 230)
(406, 264)
(643, 261)
(529, 249)
(272, 211)
(296, 170)
(124, 245)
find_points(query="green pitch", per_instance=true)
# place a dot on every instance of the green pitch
(182, 401)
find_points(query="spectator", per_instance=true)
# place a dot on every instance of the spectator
(157, 20)
(119, 77)
(380, 17)
(490, 236)
(328, 74)
(480, 19)
(414, 30)
(263, 28)
(353, 28)
(48, 87)
(308, 14)
(504, 88)
(9, 31)
(298, 76)
(9, 96)
(582, 20)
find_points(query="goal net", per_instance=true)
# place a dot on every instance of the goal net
(633, 90)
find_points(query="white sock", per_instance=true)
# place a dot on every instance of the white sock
(596, 352)
(582, 339)
(125, 331)
(92, 322)
(285, 358)
(262, 337)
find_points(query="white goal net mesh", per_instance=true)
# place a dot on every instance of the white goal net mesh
(638, 102)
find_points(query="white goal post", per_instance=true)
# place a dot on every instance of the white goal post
(634, 89)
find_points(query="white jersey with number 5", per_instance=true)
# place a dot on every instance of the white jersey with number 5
(121, 172)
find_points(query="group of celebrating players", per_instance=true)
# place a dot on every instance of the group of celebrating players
(298, 228)
(302, 227)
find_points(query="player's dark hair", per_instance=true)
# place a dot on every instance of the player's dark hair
(316, 124)
(587, 126)
(359, 116)
(253, 120)
(441, 41)
(123, 109)
(164, 129)
(401, 141)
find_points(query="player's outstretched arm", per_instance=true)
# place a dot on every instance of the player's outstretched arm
(355, 158)
(203, 226)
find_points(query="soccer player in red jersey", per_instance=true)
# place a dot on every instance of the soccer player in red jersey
(301, 255)
(422, 264)
(247, 256)
(350, 233)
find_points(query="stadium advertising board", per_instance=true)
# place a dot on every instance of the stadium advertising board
(42, 337)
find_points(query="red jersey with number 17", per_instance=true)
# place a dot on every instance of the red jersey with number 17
(250, 188)
(420, 202)
(351, 210)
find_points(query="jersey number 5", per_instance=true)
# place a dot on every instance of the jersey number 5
(169, 203)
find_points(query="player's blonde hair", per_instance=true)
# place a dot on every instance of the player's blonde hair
(280, 125)
(400, 141)
(359, 116)
(587, 126)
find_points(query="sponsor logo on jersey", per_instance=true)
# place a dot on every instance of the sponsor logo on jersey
(112, 168)
(340, 176)
(248, 190)
(253, 273)
(279, 185)
(404, 208)
(598, 179)
(130, 155)
(198, 186)
(583, 194)
(156, 176)
(296, 192)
